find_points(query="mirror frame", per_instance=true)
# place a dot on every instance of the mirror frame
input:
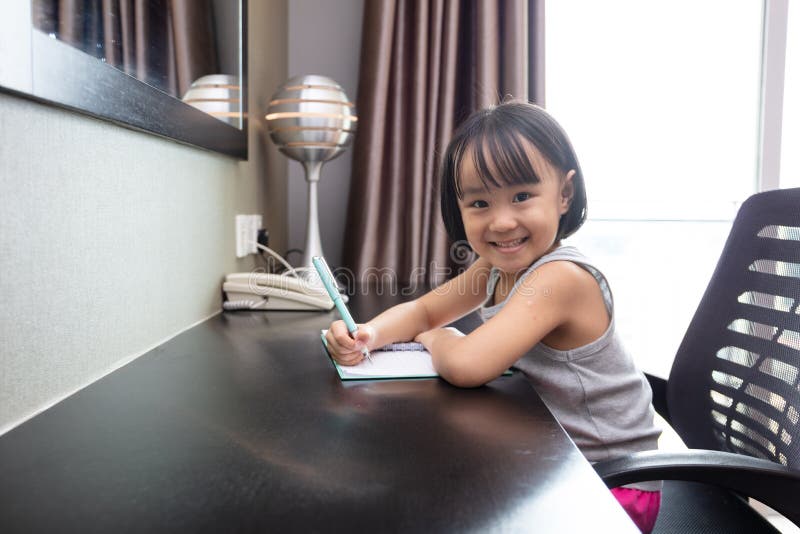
(34, 65)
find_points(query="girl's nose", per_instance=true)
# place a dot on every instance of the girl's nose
(503, 222)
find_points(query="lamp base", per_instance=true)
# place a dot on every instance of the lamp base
(313, 246)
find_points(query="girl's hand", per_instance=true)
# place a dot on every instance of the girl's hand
(344, 349)
(428, 338)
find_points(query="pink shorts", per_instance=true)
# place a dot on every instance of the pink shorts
(642, 506)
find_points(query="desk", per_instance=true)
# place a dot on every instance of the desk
(242, 425)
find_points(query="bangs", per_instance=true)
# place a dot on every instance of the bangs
(500, 157)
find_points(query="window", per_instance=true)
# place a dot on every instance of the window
(661, 101)
(790, 139)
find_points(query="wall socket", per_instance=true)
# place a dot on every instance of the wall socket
(247, 227)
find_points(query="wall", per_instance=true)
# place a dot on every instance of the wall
(324, 38)
(113, 240)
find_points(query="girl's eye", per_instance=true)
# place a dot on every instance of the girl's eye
(521, 197)
(478, 204)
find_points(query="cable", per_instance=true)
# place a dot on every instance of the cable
(241, 304)
(291, 270)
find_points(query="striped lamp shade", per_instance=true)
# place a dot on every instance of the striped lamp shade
(310, 119)
(219, 95)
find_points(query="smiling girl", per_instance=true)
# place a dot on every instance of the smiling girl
(512, 189)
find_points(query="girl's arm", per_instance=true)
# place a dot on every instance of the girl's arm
(448, 302)
(562, 299)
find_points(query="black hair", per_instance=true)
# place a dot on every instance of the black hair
(502, 131)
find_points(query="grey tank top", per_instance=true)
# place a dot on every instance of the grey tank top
(595, 391)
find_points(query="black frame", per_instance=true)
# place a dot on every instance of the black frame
(59, 73)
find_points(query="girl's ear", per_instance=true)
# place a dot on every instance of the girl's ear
(567, 192)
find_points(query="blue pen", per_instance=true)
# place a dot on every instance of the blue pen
(326, 276)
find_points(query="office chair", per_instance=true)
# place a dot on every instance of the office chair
(732, 394)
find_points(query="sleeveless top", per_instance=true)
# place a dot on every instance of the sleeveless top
(595, 391)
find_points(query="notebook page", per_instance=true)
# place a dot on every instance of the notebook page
(392, 363)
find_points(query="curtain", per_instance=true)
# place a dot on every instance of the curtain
(425, 66)
(165, 43)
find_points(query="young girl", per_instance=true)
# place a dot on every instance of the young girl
(512, 188)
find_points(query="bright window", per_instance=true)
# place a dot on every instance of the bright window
(661, 101)
(790, 138)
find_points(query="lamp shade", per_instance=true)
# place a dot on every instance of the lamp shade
(219, 95)
(310, 119)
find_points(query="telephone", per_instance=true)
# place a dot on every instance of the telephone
(265, 291)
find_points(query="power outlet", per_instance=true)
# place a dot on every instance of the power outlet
(247, 227)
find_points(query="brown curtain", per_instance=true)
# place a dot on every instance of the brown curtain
(425, 66)
(165, 43)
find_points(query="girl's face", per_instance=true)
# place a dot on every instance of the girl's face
(514, 225)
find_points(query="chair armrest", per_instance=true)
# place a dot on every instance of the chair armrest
(659, 387)
(775, 485)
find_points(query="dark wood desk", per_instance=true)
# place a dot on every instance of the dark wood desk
(242, 425)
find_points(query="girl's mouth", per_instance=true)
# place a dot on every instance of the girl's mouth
(508, 245)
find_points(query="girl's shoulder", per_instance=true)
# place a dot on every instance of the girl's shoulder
(564, 268)
(562, 280)
(566, 278)
(574, 296)
(575, 272)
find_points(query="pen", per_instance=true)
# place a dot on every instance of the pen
(326, 276)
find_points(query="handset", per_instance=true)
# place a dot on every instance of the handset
(278, 281)
(267, 291)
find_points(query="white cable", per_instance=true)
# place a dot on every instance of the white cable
(290, 270)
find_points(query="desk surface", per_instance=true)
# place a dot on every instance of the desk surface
(241, 424)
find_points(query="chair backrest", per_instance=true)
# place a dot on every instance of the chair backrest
(734, 383)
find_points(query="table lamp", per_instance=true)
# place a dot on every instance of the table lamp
(311, 120)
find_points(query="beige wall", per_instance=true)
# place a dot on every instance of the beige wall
(112, 240)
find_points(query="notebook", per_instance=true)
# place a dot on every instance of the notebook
(398, 360)
(395, 361)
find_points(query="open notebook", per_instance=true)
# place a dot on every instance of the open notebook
(395, 361)
(399, 360)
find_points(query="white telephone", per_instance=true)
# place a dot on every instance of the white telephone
(264, 291)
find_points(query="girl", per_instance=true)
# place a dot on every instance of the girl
(512, 188)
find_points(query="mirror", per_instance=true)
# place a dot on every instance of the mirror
(175, 68)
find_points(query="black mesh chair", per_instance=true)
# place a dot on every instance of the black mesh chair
(732, 394)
